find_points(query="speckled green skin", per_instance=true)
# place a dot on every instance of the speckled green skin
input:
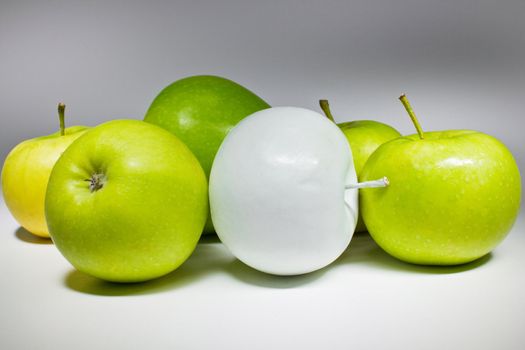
(364, 137)
(452, 196)
(148, 216)
(201, 110)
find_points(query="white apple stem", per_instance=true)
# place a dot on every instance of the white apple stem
(370, 184)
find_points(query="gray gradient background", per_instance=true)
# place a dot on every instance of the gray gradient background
(461, 62)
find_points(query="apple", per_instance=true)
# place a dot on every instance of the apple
(453, 195)
(201, 110)
(282, 191)
(364, 137)
(126, 202)
(26, 172)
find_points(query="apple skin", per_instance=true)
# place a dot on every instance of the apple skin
(364, 137)
(277, 191)
(453, 196)
(147, 217)
(201, 110)
(25, 175)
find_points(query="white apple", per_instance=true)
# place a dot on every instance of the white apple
(279, 191)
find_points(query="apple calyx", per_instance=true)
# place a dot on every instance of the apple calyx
(96, 182)
(412, 115)
(325, 106)
(61, 117)
(383, 182)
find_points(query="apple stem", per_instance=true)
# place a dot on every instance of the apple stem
(61, 117)
(370, 184)
(412, 115)
(96, 182)
(326, 109)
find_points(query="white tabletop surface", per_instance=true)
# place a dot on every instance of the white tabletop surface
(365, 300)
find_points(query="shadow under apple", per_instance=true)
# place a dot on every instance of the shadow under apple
(246, 274)
(208, 258)
(212, 257)
(26, 236)
(363, 250)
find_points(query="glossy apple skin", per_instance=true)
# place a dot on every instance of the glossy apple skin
(25, 175)
(364, 137)
(277, 191)
(201, 110)
(452, 196)
(146, 219)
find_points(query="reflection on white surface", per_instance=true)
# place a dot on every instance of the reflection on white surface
(215, 302)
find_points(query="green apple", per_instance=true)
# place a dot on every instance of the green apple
(201, 110)
(126, 202)
(452, 195)
(364, 137)
(26, 172)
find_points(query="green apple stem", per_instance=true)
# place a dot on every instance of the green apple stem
(412, 115)
(370, 184)
(61, 117)
(326, 109)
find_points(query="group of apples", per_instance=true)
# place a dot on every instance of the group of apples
(128, 200)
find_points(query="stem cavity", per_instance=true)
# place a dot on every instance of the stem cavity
(61, 117)
(326, 109)
(96, 182)
(412, 115)
(370, 184)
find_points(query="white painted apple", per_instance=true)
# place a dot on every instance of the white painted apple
(279, 191)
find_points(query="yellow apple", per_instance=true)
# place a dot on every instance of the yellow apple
(26, 173)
